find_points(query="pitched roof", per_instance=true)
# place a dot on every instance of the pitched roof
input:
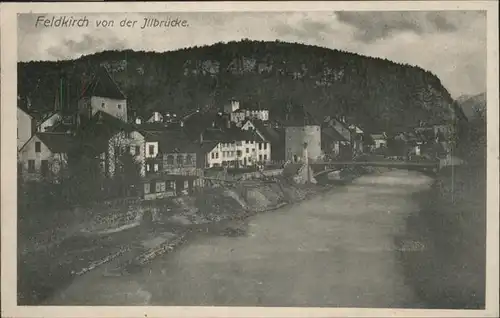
(230, 135)
(101, 128)
(172, 141)
(103, 85)
(332, 134)
(269, 133)
(57, 142)
(208, 146)
(378, 136)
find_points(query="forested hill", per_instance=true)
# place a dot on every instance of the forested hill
(375, 93)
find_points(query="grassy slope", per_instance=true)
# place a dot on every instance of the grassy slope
(452, 223)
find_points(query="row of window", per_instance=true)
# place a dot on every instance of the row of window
(181, 160)
(159, 186)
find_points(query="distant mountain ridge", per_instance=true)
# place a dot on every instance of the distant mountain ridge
(473, 105)
(377, 94)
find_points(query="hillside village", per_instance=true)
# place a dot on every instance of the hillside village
(168, 154)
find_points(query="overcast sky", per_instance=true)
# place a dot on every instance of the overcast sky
(451, 44)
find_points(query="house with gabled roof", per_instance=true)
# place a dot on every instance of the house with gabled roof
(333, 143)
(45, 155)
(109, 138)
(102, 94)
(232, 147)
(26, 126)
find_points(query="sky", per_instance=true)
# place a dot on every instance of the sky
(450, 44)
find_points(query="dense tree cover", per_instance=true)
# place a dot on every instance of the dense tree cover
(376, 93)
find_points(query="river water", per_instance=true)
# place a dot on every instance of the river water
(338, 249)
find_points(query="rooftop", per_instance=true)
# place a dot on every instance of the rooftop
(57, 142)
(103, 85)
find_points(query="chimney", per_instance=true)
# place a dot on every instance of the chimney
(228, 123)
(181, 123)
(213, 124)
(201, 138)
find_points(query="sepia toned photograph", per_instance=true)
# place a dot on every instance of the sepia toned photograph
(325, 158)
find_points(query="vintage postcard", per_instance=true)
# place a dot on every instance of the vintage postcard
(251, 159)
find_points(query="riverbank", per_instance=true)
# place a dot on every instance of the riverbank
(334, 250)
(451, 224)
(46, 267)
(221, 211)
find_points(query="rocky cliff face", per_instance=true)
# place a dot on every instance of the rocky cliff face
(375, 93)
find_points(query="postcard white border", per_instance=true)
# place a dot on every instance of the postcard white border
(8, 91)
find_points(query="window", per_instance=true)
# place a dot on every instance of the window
(265, 157)
(103, 105)
(170, 160)
(137, 150)
(151, 150)
(180, 159)
(260, 146)
(260, 157)
(223, 154)
(156, 167)
(189, 160)
(216, 155)
(128, 149)
(247, 151)
(148, 167)
(31, 165)
(119, 106)
(213, 155)
(265, 145)
(147, 188)
(38, 146)
(45, 168)
(160, 186)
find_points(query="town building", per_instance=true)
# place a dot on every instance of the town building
(269, 136)
(232, 147)
(172, 153)
(334, 144)
(379, 140)
(44, 156)
(111, 140)
(102, 95)
(302, 138)
(238, 115)
(26, 127)
(156, 117)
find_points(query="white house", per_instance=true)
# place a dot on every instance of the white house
(234, 148)
(156, 117)
(26, 127)
(379, 140)
(44, 156)
(104, 95)
(263, 147)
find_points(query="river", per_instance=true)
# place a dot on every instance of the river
(336, 250)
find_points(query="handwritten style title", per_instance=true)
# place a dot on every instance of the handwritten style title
(84, 22)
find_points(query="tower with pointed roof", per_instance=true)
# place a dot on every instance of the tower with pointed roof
(102, 94)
